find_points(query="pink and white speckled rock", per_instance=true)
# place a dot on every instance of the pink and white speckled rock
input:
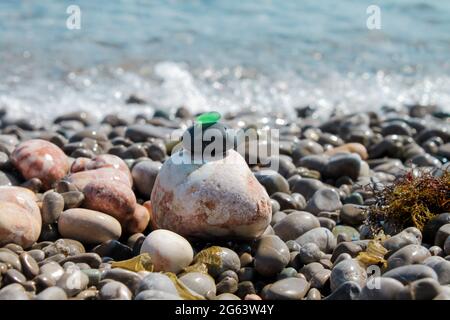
(20, 217)
(101, 161)
(40, 159)
(217, 199)
(82, 178)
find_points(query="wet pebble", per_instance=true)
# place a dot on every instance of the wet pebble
(295, 224)
(271, 256)
(324, 200)
(115, 290)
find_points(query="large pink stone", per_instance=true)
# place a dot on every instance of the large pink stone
(40, 159)
(20, 217)
(82, 178)
(216, 199)
(102, 161)
(113, 198)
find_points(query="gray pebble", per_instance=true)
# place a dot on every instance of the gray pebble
(322, 237)
(324, 200)
(115, 290)
(295, 224)
(53, 293)
(272, 255)
(52, 206)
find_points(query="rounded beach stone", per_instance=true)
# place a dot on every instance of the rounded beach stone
(406, 237)
(111, 198)
(310, 252)
(52, 207)
(30, 267)
(272, 181)
(344, 165)
(410, 254)
(40, 159)
(423, 289)
(144, 175)
(158, 282)
(347, 270)
(102, 161)
(82, 178)
(295, 224)
(409, 273)
(169, 251)
(17, 225)
(287, 289)
(199, 282)
(216, 199)
(272, 255)
(88, 226)
(13, 291)
(379, 288)
(30, 216)
(353, 214)
(324, 200)
(441, 235)
(52, 293)
(352, 147)
(115, 290)
(137, 222)
(322, 237)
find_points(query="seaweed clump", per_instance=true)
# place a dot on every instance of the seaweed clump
(410, 201)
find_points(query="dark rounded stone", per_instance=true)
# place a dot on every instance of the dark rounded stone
(346, 291)
(114, 249)
(30, 267)
(52, 206)
(430, 229)
(92, 259)
(13, 276)
(72, 199)
(272, 181)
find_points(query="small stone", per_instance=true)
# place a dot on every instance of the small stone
(347, 270)
(92, 259)
(38, 255)
(156, 295)
(406, 237)
(352, 214)
(410, 254)
(13, 276)
(310, 252)
(52, 270)
(313, 294)
(295, 224)
(344, 165)
(410, 273)
(423, 289)
(350, 232)
(272, 181)
(115, 290)
(432, 226)
(52, 207)
(322, 237)
(348, 290)
(379, 288)
(441, 235)
(114, 249)
(327, 223)
(346, 247)
(10, 258)
(52, 293)
(306, 186)
(40, 159)
(157, 282)
(131, 279)
(73, 282)
(43, 282)
(144, 175)
(88, 226)
(202, 284)
(323, 200)
(30, 267)
(72, 199)
(13, 291)
(170, 252)
(287, 289)
(272, 255)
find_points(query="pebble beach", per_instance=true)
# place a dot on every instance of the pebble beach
(98, 210)
(216, 150)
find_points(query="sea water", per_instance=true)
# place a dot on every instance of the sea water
(229, 55)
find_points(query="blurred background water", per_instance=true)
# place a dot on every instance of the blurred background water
(222, 55)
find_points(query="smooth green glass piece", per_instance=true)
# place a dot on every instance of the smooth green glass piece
(209, 117)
